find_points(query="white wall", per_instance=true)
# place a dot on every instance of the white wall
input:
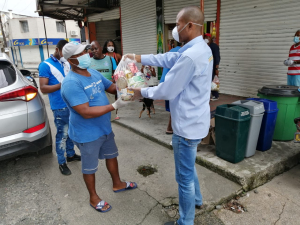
(36, 28)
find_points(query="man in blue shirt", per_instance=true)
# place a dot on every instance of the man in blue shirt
(83, 90)
(52, 72)
(187, 86)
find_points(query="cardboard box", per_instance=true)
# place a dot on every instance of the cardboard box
(210, 138)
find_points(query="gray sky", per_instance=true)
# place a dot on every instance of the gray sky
(24, 7)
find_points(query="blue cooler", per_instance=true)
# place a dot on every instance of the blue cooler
(268, 124)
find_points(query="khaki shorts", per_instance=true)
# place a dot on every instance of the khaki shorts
(111, 99)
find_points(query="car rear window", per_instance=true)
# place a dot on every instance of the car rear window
(7, 74)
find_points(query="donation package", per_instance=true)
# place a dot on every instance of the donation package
(127, 75)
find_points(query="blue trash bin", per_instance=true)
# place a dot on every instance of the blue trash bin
(266, 133)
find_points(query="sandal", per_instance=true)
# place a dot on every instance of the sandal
(100, 205)
(129, 186)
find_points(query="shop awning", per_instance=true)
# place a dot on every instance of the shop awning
(74, 9)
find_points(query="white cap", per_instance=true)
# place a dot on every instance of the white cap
(72, 48)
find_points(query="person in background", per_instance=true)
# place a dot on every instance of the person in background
(293, 62)
(52, 72)
(110, 49)
(106, 65)
(187, 85)
(216, 54)
(90, 127)
(162, 79)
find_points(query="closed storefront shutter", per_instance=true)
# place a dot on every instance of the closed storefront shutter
(108, 15)
(255, 38)
(172, 7)
(108, 30)
(138, 20)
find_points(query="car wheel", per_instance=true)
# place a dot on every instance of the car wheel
(46, 150)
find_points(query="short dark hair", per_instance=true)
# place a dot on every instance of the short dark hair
(61, 44)
(104, 49)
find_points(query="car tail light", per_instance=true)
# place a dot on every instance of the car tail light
(35, 129)
(21, 94)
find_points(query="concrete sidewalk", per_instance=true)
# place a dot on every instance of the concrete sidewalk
(250, 173)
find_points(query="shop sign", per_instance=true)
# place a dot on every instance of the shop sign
(23, 42)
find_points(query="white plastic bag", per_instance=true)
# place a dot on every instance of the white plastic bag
(215, 84)
(128, 75)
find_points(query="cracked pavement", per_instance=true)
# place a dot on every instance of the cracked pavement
(276, 203)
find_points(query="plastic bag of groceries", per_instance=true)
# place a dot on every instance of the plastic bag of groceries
(215, 84)
(128, 75)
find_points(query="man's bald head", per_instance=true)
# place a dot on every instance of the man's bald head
(191, 14)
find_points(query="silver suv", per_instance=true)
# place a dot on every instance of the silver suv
(24, 125)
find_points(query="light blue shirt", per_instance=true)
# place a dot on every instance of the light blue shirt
(187, 86)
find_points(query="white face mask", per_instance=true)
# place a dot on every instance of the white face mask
(110, 49)
(175, 32)
(206, 41)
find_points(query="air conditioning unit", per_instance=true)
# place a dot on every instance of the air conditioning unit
(74, 32)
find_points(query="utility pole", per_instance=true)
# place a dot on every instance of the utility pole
(3, 34)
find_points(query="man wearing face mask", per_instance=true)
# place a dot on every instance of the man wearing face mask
(83, 90)
(52, 72)
(187, 86)
(293, 75)
(216, 54)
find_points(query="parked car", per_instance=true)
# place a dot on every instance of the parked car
(24, 125)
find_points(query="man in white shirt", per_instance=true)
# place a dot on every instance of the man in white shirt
(187, 86)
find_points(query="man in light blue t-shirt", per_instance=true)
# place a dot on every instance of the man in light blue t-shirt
(83, 90)
(52, 72)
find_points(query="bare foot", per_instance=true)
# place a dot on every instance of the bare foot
(122, 185)
(94, 202)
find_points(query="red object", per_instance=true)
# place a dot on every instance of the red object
(26, 94)
(35, 129)
(295, 55)
(207, 34)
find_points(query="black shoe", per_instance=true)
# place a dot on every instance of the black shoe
(171, 223)
(74, 158)
(64, 169)
(200, 206)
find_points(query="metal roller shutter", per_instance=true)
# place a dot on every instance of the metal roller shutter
(138, 20)
(107, 30)
(108, 15)
(255, 38)
(172, 7)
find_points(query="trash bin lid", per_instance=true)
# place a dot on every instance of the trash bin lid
(233, 112)
(254, 107)
(280, 90)
(269, 105)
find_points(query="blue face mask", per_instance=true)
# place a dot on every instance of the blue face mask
(296, 40)
(84, 61)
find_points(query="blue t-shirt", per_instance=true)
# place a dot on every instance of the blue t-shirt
(76, 90)
(55, 75)
(166, 70)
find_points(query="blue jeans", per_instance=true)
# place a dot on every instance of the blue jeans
(185, 151)
(63, 142)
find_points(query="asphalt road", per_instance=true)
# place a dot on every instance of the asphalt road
(33, 191)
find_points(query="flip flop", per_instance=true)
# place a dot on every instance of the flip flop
(100, 205)
(169, 132)
(129, 186)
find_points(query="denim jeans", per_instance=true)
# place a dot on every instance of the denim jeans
(63, 142)
(185, 151)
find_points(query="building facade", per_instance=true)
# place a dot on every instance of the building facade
(27, 40)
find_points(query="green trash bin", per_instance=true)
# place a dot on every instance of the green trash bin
(232, 124)
(288, 103)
